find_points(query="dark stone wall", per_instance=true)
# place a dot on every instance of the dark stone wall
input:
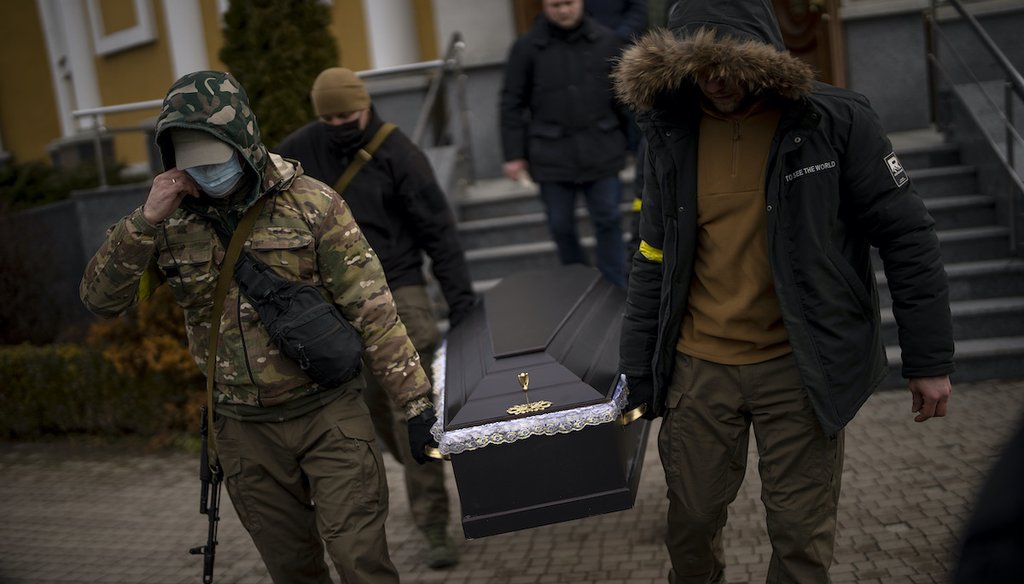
(43, 253)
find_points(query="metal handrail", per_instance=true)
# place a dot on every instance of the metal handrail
(450, 65)
(397, 70)
(98, 129)
(1014, 85)
(1004, 117)
(1012, 75)
(433, 109)
(446, 71)
(117, 109)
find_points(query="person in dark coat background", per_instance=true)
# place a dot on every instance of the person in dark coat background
(752, 300)
(561, 124)
(629, 19)
(626, 18)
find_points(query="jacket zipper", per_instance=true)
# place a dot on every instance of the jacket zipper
(735, 147)
(781, 146)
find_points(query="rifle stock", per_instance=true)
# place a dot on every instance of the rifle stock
(210, 478)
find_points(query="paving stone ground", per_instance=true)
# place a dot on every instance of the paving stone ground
(114, 513)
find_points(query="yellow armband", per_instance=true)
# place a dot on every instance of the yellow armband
(650, 252)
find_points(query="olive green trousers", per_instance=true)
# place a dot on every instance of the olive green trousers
(303, 484)
(703, 445)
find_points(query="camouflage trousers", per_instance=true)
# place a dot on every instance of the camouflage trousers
(424, 484)
(314, 481)
(703, 446)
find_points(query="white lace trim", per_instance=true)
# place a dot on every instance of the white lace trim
(508, 431)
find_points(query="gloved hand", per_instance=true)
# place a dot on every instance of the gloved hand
(420, 436)
(641, 391)
(459, 313)
(456, 318)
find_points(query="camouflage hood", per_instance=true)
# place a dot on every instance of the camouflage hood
(709, 38)
(214, 102)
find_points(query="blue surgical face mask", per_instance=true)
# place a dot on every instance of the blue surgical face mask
(217, 180)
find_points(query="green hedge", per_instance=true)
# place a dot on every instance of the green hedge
(32, 184)
(68, 389)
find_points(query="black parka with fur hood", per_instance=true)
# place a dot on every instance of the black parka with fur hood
(834, 188)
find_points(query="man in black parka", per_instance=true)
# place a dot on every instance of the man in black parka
(562, 125)
(752, 299)
(404, 214)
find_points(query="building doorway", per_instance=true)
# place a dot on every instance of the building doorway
(812, 32)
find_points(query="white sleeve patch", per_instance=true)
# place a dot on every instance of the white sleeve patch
(896, 169)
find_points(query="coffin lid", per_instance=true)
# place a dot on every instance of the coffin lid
(560, 326)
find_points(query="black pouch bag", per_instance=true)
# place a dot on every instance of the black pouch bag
(302, 324)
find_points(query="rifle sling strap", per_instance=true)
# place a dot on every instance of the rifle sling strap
(363, 155)
(227, 269)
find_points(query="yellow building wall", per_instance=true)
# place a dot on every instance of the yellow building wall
(28, 108)
(29, 119)
(425, 29)
(212, 24)
(139, 73)
(348, 26)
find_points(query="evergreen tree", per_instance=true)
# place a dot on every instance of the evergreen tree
(276, 48)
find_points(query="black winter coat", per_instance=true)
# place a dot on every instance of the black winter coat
(398, 204)
(627, 18)
(833, 190)
(557, 107)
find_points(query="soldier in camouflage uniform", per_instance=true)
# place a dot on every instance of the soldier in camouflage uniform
(300, 462)
(405, 216)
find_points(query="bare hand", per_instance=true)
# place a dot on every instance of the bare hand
(165, 195)
(514, 169)
(931, 395)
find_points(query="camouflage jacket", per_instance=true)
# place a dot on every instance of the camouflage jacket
(305, 232)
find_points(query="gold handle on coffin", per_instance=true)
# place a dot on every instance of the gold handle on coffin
(435, 453)
(626, 418)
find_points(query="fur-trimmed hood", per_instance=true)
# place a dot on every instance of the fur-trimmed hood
(737, 40)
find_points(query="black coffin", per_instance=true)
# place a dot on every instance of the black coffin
(561, 453)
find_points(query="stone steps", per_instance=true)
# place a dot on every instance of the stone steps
(930, 155)
(972, 319)
(973, 280)
(944, 181)
(958, 245)
(949, 212)
(499, 261)
(503, 228)
(976, 360)
(501, 198)
(524, 228)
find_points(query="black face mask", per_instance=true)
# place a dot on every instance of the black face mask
(345, 137)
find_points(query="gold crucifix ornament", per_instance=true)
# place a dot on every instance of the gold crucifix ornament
(528, 407)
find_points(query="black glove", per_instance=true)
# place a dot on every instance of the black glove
(419, 434)
(455, 318)
(641, 391)
(459, 313)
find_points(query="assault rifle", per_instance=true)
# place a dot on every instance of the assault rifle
(209, 499)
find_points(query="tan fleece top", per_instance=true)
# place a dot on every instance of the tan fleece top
(733, 314)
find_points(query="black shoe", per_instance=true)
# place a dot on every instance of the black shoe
(441, 550)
